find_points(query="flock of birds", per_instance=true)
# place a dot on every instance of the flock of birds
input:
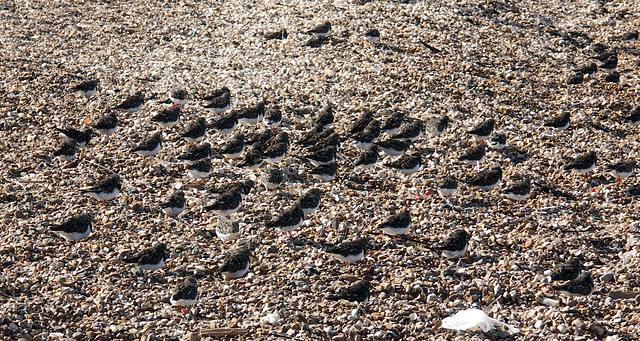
(395, 136)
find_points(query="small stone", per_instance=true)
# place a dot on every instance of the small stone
(432, 298)
(607, 278)
(579, 324)
(538, 324)
(13, 327)
(562, 328)
(339, 337)
(598, 330)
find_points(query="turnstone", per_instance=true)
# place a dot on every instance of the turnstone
(581, 286)
(374, 127)
(632, 35)
(348, 252)
(199, 169)
(219, 101)
(321, 155)
(357, 292)
(244, 186)
(486, 179)
(612, 77)
(559, 122)
(275, 152)
(588, 69)
(582, 164)
(394, 147)
(279, 34)
(397, 224)
(152, 258)
(236, 263)
(324, 117)
(184, 294)
(321, 30)
(195, 130)
(80, 137)
(226, 123)
(105, 189)
(252, 114)
(361, 122)
(272, 177)
(498, 141)
(412, 131)
(228, 202)
(76, 228)
(168, 117)
(132, 103)
(288, 220)
(233, 147)
(393, 123)
(363, 139)
(179, 96)
(197, 152)
(368, 158)
(149, 146)
(106, 124)
(226, 229)
(315, 134)
(324, 172)
(474, 155)
(272, 117)
(437, 125)
(407, 163)
(633, 118)
(519, 191)
(447, 186)
(484, 130)
(309, 201)
(455, 245)
(174, 205)
(281, 137)
(86, 88)
(567, 271)
(252, 158)
(610, 64)
(261, 137)
(372, 35)
(66, 151)
(622, 170)
(575, 78)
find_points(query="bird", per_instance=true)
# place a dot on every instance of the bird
(252, 114)
(393, 123)
(360, 123)
(612, 77)
(105, 189)
(275, 153)
(325, 172)
(348, 252)
(226, 123)
(397, 224)
(622, 170)
(582, 164)
(484, 130)
(486, 179)
(322, 30)
(199, 169)
(277, 34)
(252, 158)
(498, 141)
(287, 220)
(581, 286)
(80, 137)
(219, 101)
(194, 131)
(132, 103)
(438, 125)
(236, 263)
(75, 228)
(317, 133)
(106, 124)
(226, 229)
(609, 64)
(567, 271)
(184, 294)
(272, 117)
(408, 164)
(272, 177)
(412, 131)
(168, 117)
(372, 35)
(474, 155)
(174, 205)
(323, 155)
(519, 191)
(447, 186)
(86, 88)
(368, 158)
(559, 122)
(324, 117)
(149, 146)
(196, 152)
(228, 202)
(394, 147)
(152, 258)
(179, 96)
(357, 292)
(233, 147)
(66, 151)
(633, 118)
(455, 245)
(309, 201)
(363, 139)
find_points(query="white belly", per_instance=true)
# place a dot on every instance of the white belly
(236, 274)
(106, 196)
